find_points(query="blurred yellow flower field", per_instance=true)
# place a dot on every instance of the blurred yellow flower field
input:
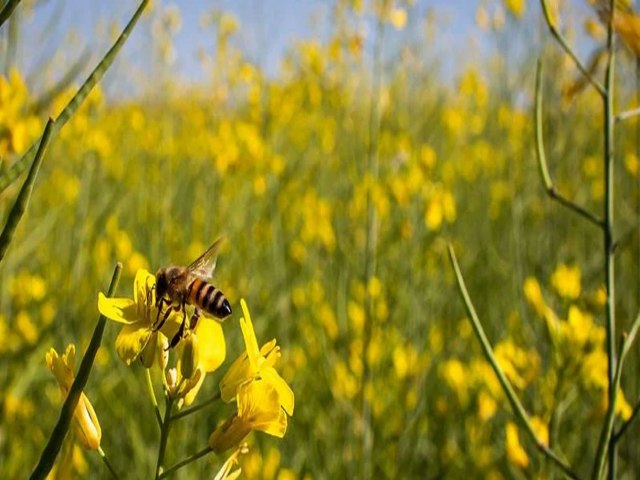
(338, 178)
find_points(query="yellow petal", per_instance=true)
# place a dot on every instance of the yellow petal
(250, 341)
(259, 405)
(58, 366)
(211, 342)
(131, 340)
(273, 426)
(285, 394)
(238, 373)
(143, 282)
(87, 427)
(122, 310)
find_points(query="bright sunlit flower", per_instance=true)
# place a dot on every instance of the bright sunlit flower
(137, 316)
(255, 364)
(85, 422)
(566, 281)
(259, 408)
(515, 452)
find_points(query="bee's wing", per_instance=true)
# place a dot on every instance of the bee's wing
(205, 264)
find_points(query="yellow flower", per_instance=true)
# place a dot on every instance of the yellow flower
(566, 281)
(255, 364)
(137, 316)
(85, 422)
(259, 408)
(515, 452)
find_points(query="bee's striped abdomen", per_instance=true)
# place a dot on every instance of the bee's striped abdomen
(208, 298)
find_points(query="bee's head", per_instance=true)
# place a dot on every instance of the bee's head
(162, 284)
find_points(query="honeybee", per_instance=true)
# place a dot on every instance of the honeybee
(178, 286)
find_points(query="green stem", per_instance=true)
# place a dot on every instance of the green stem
(623, 428)
(52, 448)
(21, 164)
(189, 411)
(107, 463)
(186, 461)
(607, 440)
(542, 159)
(610, 320)
(152, 395)
(164, 435)
(22, 201)
(565, 46)
(516, 405)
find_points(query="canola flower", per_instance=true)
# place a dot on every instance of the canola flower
(137, 316)
(259, 408)
(263, 397)
(85, 422)
(255, 364)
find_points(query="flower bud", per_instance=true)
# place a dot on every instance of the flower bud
(189, 359)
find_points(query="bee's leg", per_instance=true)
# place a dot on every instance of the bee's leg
(194, 319)
(157, 326)
(180, 333)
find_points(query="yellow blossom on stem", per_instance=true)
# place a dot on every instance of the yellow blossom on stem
(138, 317)
(85, 422)
(259, 408)
(255, 364)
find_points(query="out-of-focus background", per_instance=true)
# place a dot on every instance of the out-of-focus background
(331, 142)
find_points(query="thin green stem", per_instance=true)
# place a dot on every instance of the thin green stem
(189, 411)
(607, 440)
(152, 395)
(106, 461)
(542, 159)
(164, 435)
(568, 50)
(624, 427)
(22, 201)
(21, 164)
(516, 405)
(186, 461)
(52, 448)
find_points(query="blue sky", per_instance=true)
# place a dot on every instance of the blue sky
(268, 28)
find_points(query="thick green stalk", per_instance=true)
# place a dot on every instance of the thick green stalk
(516, 405)
(52, 448)
(164, 435)
(606, 445)
(22, 201)
(20, 165)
